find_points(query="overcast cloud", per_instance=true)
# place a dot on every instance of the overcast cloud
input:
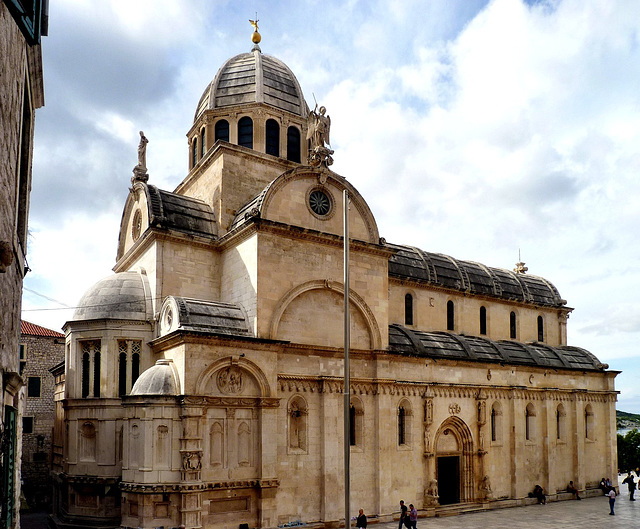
(475, 129)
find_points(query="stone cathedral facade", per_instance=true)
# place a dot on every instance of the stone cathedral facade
(203, 380)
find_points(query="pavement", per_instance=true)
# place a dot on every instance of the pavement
(589, 513)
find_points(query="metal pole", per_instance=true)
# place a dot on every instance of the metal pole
(347, 381)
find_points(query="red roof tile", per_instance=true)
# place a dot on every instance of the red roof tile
(35, 330)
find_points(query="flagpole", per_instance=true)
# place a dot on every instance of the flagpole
(347, 381)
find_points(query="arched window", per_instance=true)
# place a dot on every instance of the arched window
(483, 320)
(222, 130)
(588, 423)
(404, 423)
(203, 144)
(512, 326)
(356, 416)
(293, 144)
(352, 425)
(540, 329)
(194, 152)
(529, 425)
(408, 309)
(450, 316)
(129, 355)
(272, 131)
(245, 132)
(298, 413)
(96, 374)
(560, 423)
(135, 366)
(496, 422)
(122, 374)
(85, 375)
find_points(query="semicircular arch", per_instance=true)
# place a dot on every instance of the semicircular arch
(205, 378)
(356, 300)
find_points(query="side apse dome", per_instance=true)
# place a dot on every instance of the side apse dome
(254, 78)
(120, 296)
(159, 379)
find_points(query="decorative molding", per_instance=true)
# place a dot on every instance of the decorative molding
(195, 487)
(229, 402)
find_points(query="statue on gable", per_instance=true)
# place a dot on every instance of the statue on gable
(140, 170)
(318, 125)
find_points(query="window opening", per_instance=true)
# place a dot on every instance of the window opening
(408, 309)
(245, 132)
(34, 385)
(272, 137)
(203, 149)
(540, 329)
(293, 144)
(222, 130)
(450, 316)
(483, 320)
(512, 325)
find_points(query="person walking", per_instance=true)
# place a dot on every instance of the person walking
(631, 484)
(413, 516)
(612, 500)
(403, 513)
(361, 521)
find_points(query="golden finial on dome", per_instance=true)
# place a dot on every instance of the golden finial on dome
(255, 38)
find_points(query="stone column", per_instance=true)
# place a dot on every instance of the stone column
(190, 474)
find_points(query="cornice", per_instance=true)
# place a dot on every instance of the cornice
(152, 488)
(360, 386)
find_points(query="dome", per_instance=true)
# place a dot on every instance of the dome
(254, 78)
(157, 380)
(119, 296)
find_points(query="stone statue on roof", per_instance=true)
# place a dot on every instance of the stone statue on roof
(318, 127)
(140, 170)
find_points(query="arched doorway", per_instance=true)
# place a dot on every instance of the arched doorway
(454, 462)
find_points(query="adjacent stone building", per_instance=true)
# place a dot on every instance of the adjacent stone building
(204, 379)
(21, 93)
(40, 350)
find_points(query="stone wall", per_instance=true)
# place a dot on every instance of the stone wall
(41, 354)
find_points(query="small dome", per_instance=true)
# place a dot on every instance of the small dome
(254, 78)
(119, 296)
(157, 380)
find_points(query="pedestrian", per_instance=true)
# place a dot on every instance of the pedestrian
(361, 521)
(403, 513)
(631, 484)
(413, 516)
(612, 500)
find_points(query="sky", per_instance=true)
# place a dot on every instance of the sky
(491, 131)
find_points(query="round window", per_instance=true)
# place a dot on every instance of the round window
(319, 202)
(136, 225)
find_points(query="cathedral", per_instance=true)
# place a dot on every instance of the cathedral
(203, 382)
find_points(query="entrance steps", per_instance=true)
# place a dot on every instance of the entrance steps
(458, 508)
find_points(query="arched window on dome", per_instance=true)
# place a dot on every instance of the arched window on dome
(450, 316)
(272, 131)
(483, 320)
(245, 132)
(540, 329)
(293, 144)
(512, 326)
(222, 130)
(203, 149)
(194, 152)
(408, 309)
